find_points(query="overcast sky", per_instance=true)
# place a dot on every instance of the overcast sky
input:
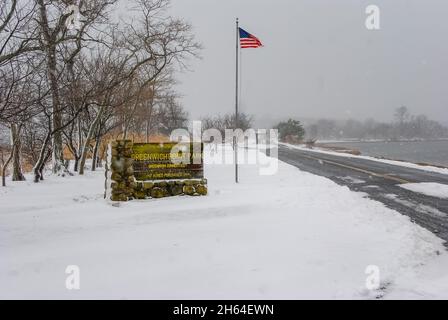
(319, 59)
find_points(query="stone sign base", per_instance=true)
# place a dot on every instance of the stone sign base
(125, 187)
(160, 189)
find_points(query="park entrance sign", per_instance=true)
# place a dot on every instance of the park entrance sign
(154, 170)
(167, 161)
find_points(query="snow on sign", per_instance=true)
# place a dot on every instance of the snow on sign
(167, 161)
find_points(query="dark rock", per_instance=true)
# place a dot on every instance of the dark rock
(201, 189)
(116, 177)
(148, 185)
(140, 194)
(189, 190)
(176, 190)
(157, 192)
(119, 197)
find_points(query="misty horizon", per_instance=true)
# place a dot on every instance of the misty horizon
(318, 59)
(269, 120)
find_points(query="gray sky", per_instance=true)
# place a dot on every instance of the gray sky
(319, 59)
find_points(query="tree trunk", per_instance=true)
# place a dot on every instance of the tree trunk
(42, 167)
(125, 130)
(58, 157)
(95, 153)
(149, 115)
(147, 131)
(5, 166)
(50, 51)
(17, 174)
(85, 148)
(101, 156)
(79, 136)
(38, 167)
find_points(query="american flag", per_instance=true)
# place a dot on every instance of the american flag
(248, 40)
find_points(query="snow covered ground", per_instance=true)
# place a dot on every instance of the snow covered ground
(287, 236)
(432, 189)
(394, 162)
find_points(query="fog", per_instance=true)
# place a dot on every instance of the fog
(319, 59)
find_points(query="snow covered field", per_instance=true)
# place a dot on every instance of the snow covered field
(286, 236)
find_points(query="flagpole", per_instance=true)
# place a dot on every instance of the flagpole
(235, 143)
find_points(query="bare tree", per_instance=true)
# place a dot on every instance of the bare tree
(61, 47)
(69, 87)
(142, 52)
(17, 33)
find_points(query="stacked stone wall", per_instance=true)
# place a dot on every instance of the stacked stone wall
(124, 186)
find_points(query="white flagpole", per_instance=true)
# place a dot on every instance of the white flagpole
(235, 141)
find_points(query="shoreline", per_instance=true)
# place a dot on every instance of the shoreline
(381, 140)
(327, 147)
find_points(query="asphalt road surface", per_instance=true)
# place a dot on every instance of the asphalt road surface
(380, 181)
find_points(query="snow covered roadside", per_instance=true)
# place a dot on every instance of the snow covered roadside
(394, 162)
(291, 235)
(432, 189)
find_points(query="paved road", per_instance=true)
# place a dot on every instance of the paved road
(381, 182)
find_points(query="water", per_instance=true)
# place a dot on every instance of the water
(433, 152)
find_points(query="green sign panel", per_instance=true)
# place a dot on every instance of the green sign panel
(168, 161)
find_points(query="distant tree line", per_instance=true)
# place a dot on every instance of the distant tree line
(227, 121)
(404, 127)
(66, 85)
